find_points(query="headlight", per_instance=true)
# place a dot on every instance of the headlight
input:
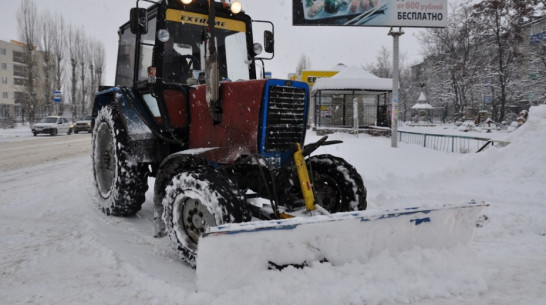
(163, 35)
(257, 49)
(236, 7)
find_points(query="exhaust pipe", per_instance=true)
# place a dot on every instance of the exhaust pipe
(212, 76)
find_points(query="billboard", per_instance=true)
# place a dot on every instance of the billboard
(378, 13)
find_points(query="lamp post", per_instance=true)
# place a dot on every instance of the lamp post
(395, 72)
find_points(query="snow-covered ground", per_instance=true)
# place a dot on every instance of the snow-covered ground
(56, 247)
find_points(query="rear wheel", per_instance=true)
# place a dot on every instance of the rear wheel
(53, 132)
(121, 184)
(338, 186)
(196, 200)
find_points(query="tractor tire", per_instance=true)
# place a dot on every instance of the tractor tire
(338, 186)
(121, 184)
(196, 200)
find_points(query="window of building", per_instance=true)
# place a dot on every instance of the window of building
(19, 97)
(18, 57)
(4, 110)
(4, 95)
(17, 111)
(4, 66)
(19, 71)
(4, 80)
(20, 82)
(3, 51)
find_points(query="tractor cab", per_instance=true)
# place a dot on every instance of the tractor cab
(172, 42)
(170, 48)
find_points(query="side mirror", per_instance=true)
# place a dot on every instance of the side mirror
(269, 42)
(139, 20)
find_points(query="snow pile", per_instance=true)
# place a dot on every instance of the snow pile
(20, 132)
(389, 278)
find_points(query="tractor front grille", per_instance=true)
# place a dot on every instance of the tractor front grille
(285, 118)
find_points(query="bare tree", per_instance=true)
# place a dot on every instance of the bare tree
(83, 59)
(382, 66)
(502, 20)
(59, 52)
(454, 59)
(47, 43)
(57, 57)
(27, 21)
(76, 55)
(96, 66)
(303, 64)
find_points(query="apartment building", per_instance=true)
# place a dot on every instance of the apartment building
(535, 50)
(12, 78)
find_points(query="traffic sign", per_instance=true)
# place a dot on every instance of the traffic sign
(57, 96)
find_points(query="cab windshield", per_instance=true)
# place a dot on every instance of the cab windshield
(183, 57)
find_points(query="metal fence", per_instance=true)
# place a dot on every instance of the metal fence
(448, 143)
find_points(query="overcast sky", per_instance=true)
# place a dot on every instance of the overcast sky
(325, 46)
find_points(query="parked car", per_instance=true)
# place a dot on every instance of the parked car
(82, 125)
(51, 125)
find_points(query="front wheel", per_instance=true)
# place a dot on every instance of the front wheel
(338, 186)
(196, 200)
(121, 184)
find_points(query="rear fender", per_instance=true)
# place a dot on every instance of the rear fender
(125, 101)
(140, 135)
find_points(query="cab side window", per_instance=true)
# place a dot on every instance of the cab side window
(126, 57)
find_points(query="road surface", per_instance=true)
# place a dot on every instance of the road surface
(42, 149)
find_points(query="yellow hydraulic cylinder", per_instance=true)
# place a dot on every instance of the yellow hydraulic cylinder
(305, 182)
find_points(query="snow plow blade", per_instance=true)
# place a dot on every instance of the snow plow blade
(228, 254)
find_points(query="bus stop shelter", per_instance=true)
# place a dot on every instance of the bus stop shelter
(334, 99)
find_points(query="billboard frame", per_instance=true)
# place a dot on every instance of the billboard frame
(377, 13)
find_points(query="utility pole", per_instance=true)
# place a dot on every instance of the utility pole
(395, 73)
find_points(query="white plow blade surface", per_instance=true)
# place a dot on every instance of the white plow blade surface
(229, 254)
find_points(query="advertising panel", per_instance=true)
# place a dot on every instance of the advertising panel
(311, 76)
(378, 13)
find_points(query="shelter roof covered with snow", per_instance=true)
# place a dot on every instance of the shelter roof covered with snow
(354, 78)
(422, 106)
(422, 102)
